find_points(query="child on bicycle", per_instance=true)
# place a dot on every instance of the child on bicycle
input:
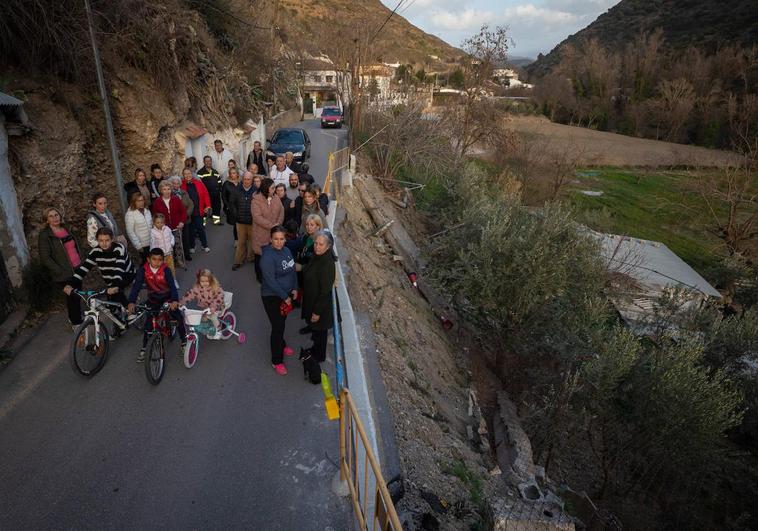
(208, 293)
(112, 260)
(161, 288)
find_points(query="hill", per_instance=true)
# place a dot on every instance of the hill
(331, 26)
(701, 23)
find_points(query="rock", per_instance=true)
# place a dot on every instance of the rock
(516, 515)
(512, 445)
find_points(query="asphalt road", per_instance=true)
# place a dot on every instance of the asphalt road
(227, 444)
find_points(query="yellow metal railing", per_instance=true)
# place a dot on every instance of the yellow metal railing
(371, 499)
(338, 161)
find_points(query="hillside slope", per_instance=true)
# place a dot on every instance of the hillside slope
(701, 23)
(331, 26)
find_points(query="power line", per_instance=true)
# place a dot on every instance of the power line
(386, 20)
(230, 15)
(406, 8)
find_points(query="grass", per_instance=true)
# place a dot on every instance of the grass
(649, 206)
(474, 485)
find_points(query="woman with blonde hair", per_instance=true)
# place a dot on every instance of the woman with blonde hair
(139, 221)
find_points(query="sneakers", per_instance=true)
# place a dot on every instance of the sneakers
(280, 369)
(288, 351)
(192, 251)
(141, 356)
(207, 249)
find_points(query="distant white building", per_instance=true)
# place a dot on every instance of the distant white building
(508, 77)
(378, 78)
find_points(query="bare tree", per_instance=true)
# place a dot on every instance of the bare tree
(475, 118)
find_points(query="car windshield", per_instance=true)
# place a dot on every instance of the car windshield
(330, 112)
(287, 137)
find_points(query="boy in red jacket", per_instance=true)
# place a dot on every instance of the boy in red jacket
(161, 288)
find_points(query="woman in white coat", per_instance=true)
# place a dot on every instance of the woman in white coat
(139, 221)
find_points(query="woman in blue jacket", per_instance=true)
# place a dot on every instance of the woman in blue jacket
(278, 290)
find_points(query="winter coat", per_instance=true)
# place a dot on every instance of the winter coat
(211, 179)
(318, 280)
(229, 191)
(242, 205)
(186, 200)
(203, 201)
(266, 214)
(138, 225)
(221, 161)
(162, 239)
(96, 221)
(174, 214)
(259, 160)
(306, 211)
(54, 256)
(132, 188)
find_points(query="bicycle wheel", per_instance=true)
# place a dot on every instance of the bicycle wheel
(230, 321)
(155, 359)
(192, 350)
(89, 348)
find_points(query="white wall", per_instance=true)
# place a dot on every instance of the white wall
(13, 246)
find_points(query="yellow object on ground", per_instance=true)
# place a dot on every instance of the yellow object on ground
(332, 408)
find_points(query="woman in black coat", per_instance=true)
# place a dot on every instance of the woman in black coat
(228, 191)
(318, 281)
(61, 254)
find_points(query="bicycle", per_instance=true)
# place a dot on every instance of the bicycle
(197, 325)
(90, 345)
(155, 349)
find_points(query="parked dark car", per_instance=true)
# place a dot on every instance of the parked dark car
(289, 139)
(331, 117)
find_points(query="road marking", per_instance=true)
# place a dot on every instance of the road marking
(40, 374)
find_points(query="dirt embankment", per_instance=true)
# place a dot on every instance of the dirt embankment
(426, 374)
(600, 148)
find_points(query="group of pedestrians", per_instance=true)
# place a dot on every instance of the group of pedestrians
(278, 219)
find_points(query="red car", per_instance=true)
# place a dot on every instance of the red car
(331, 117)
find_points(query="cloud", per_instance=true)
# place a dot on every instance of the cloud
(531, 15)
(581, 7)
(468, 19)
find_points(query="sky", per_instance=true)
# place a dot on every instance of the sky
(535, 26)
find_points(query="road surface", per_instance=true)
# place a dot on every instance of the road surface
(228, 444)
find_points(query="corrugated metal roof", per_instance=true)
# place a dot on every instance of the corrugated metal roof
(651, 263)
(10, 101)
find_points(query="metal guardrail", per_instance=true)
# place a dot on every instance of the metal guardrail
(338, 161)
(371, 499)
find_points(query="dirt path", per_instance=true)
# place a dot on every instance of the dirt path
(600, 148)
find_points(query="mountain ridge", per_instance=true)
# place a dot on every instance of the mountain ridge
(701, 23)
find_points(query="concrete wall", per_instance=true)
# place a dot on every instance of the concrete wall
(283, 119)
(15, 251)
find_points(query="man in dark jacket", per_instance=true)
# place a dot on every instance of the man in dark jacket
(258, 158)
(212, 181)
(241, 208)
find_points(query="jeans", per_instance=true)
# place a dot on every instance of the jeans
(271, 305)
(196, 229)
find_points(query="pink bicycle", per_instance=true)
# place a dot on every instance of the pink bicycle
(198, 324)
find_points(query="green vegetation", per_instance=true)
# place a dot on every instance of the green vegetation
(649, 206)
(658, 424)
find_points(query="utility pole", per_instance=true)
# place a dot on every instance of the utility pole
(106, 109)
(273, 71)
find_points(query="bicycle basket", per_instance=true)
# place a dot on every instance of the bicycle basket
(193, 317)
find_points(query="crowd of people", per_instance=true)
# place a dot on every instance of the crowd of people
(277, 214)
